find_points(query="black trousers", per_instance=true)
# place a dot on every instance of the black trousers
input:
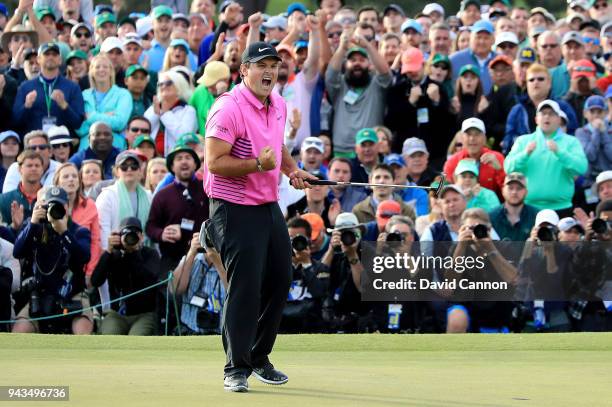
(255, 249)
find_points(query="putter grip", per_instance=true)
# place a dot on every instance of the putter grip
(320, 182)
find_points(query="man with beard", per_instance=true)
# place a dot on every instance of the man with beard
(100, 148)
(356, 95)
(297, 88)
(162, 31)
(213, 83)
(514, 219)
(49, 99)
(230, 18)
(177, 210)
(418, 107)
(81, 37)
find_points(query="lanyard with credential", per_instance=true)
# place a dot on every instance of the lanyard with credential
(48, 91)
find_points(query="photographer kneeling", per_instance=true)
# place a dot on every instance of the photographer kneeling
(129, 266)
(303, 312)
(58, 249)
(200, 278)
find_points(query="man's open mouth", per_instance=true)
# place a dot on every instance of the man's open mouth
(266, 81)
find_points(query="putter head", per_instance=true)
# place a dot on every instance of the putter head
(440, 185)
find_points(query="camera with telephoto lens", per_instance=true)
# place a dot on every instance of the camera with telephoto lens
(547, 233)
(299, 243)
(599, 226)
(394, 237)
(129, 236)
(348, 237)
(54, 209)
(480, 231)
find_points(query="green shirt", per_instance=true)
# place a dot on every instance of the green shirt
(486, 199)
(202, 100)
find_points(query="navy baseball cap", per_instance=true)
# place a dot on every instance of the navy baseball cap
(225, 4)
(56, 194)
(394, 159)
(527, 54)
(595, 102)
(131, 222)
(394, 7)
(258, 51)
(48, 46)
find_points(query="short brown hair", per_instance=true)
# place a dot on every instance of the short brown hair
(29, 155)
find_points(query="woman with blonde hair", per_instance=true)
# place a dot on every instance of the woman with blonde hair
(92, 172)
(106, 102)
(156, 171)
(177, 54)
(81, 209)
(170, 115)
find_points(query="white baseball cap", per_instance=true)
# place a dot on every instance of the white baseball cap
(313, 142)
(547, 216)
(551, 104)
(110, 44)
(414, 145)
(506, 36)
(566, 224)
(601, 178)
(473, 123)
(433, 7)
(132, 38)
(144, 26)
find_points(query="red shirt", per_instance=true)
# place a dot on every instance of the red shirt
(603, 83)
(29, 198)
(488, 176)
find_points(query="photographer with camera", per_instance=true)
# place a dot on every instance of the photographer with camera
(129, 266)
(309, 284)
(203, 288)
(344, 262)
(475, 238)
(543, 269)
(590, 274)
(58, 248)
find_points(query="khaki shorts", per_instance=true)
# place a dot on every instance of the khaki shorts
(84, 298)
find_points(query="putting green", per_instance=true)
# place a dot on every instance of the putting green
(324, 370)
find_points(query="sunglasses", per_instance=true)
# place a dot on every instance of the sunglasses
(61, 145)
(129, 166)
(598, 6)
(334, 34)
(594, 41)
(537, 78)
(139, 130)
(41, 147)
(165, 84)
(85, 34)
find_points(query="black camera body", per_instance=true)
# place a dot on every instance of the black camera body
(394, 237)
(547, 233)
(55, 210)
(348, 237)
(300, 243)
(129, 235)
(599, 226)
(480, 231)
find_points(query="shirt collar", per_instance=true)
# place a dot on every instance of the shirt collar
(250, 97)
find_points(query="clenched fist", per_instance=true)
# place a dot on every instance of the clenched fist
(415, 94)
(30, 99)
(433, 92)
(58, 96)
(267, 158)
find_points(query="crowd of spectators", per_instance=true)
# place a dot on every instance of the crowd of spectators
(102, 125)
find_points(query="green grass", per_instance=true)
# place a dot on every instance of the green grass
(324, 370)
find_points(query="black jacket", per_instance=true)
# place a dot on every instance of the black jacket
(501, 100)
(128, 273)
(401, 118)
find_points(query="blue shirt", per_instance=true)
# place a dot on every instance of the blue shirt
(155, 55)
(464, 57)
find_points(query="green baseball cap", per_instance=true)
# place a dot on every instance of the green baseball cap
(466, 166)
(42, 12)
(366, 134)
(105, 18)
(141, 139)
(188, 138)
(181, 148)
(469, 68)
(79, 54)
(440, 59)
(360, 50)
(135, 68)
(160, 11)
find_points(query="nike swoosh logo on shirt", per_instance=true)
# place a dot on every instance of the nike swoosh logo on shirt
(262, 49)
